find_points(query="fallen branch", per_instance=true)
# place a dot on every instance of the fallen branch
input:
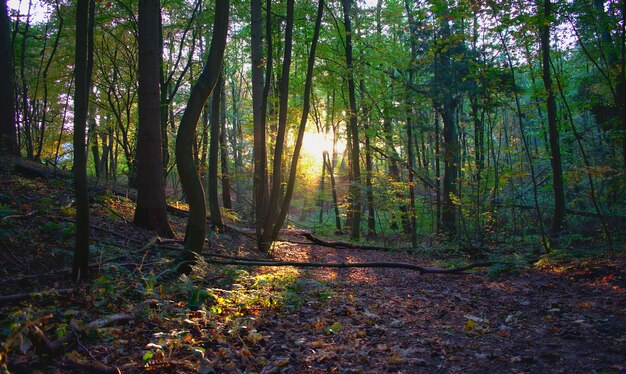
(343, 245)
(43, 345)
(32, 295)
(19, 216)
(344, 265)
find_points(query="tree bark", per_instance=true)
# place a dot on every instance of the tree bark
(150, 211)
(81, 101)
(8, 139)
(355, 188)
(226, 202)
(306, 106)
(558, 221)
(258, 109)
(216, 101)
(192, 186)
(275, 192)
(446, 104)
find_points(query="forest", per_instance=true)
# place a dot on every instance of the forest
(286, 186)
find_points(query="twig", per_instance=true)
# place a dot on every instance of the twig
(19, 216)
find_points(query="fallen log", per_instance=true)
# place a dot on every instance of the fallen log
(30, 295)
(345, 265)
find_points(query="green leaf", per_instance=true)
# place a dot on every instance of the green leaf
(147, 356)
(334, 328)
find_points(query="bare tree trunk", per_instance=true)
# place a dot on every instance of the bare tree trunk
(84, 53)
(92, 136)
(8, 139)
(275, 192)
(558, 221)
(258, 109)
(353, 129)
(329, 166)
(369, 167)
(192, 186)
(55, 46)
(150, 212)
(284, 208)
(216, 101)
(411, 164)
(26, 114)
(226, 202)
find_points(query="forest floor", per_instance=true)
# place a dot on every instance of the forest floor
(556, 316)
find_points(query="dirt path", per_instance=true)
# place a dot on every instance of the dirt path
(399, 321)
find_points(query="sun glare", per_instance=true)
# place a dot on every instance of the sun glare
(313, 146)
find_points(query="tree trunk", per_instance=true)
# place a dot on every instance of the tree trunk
(558, 221)
(55, 46)
(369, 166)
(26, 115)
(150, 212)
(333, 188)
(226, 202)
(192, 186)
(84, 51)
(92, 136)
(258, 109)
(216, 101)
(306, 106)
(8, 139)
(353, 129)
(275, 192)
(446, 103)
(411, 164)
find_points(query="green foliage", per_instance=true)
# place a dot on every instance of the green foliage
(58, 230)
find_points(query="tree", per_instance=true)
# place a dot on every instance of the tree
(558, 221)
(84, 56)
(216, 102)
(150, 212)
(8, 139)
(200, 91)
(259, 150)
(446, 103)
(355, 188)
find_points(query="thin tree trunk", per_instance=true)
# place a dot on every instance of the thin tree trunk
(226, 202)
(558, 221)
(8, 139)
(411, 163)
(258, 110)
(371, 214)
(92, 136)
(333, 188)
(306, 106)
(353, 129)
(192, 186)
(84, 51)
(216, 101)
(55, 46)
(26, 115)
(275, 193)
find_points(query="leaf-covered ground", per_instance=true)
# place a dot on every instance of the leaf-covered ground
(567, 316)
